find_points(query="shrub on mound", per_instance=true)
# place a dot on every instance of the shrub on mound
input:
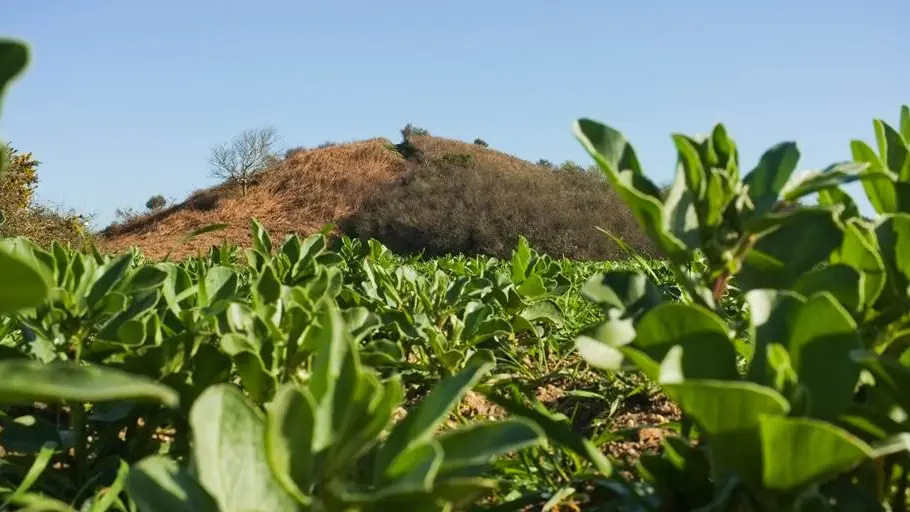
(443, 207)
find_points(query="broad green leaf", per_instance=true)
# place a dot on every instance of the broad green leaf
(262, 243)
(830, 178)
(601, 347)
(681, 213)
(27, 381)
(771, 314)
(544, 310)
(419, 425)
(147, 278)
(23, 284)
(893, 234)
(881, 193)
(775, 261)
(220, 284)
(798, 452)
(110, 276)
(331, 343)
(521, 260)
(14, 58)
(729, 412)
(157, 483)
(480, 443)
(689, 162)
(290, 423)
(267, 285)
(617, 160)
(254, 374)
(842, 281)
(820, 354)
(363, 431)
(893, 148)
(415, 467)
(767, 180)
(625, 290)
(861, 254)
(708, 351)
(229, 452)
(905, 123)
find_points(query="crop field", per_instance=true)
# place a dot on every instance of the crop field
(451, 341)
(762, 363)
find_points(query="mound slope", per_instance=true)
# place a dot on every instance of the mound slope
(432, 193)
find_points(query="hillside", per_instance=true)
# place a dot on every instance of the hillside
(471, 195)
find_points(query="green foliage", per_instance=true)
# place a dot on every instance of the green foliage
(543, 162)
(481, 142)
(285, 368)
(818, 410)
(410, 130)
(156, 202)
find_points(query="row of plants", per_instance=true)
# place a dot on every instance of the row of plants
(299, 376)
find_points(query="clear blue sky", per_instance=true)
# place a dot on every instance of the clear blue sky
(125, 99)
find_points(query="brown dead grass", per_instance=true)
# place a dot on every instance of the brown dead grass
(342, 185)
(300, 195)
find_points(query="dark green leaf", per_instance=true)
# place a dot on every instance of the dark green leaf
(14, 58)
(831, 177)
(617, 160)
(882, 193)
(111, 275)
(708, 351)
(893, 148)
(775, 261)
(766, 181)
(842, 281)
(23, 284)
(820, 354)
(24, 381)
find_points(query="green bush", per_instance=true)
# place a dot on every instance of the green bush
(451, 207)
(156, 202)
(817, 419)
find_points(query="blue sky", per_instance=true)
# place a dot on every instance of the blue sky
(124, 100)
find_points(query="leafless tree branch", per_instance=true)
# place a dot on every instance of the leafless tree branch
(247, 154)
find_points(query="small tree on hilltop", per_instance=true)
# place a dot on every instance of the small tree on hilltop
(156, 202)
(247, 154)
(411, 130)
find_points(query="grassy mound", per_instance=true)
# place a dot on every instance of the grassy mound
(427, 194)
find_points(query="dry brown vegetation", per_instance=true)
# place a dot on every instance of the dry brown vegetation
(430, 193)
(301, 194)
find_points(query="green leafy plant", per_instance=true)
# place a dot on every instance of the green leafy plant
(318, 446)
(827, 298)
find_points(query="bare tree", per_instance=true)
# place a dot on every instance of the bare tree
(247, 154)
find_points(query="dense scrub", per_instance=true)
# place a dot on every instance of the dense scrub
(22, 215)
(455, 204)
